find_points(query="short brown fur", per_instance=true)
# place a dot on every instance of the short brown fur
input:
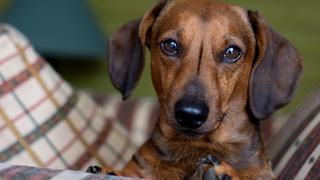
(238, 95)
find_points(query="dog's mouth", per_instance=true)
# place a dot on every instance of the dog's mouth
(193, 133)
(190, 132)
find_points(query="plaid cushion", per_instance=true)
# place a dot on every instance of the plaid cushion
(137, 115)
(31, 173)
(45, 123)
(295, 150)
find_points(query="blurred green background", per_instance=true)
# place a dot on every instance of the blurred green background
(298, 21)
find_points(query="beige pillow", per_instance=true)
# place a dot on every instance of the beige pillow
(44, 122)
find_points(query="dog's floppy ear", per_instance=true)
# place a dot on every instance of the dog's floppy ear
(275, 72)
(126, 51)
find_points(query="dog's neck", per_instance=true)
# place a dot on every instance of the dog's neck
(241, 146)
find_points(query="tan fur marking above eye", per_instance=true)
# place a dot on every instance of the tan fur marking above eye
(242, 14)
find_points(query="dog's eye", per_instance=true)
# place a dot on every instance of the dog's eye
(232, 54)
(170, 47)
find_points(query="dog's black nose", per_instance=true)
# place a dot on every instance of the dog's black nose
(191, 113)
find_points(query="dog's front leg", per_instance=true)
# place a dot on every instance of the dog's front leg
(211, 168)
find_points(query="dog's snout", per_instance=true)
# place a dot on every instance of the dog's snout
(191, 113)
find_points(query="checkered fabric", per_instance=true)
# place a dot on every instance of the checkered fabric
(295, 149)
(137, 115)
(45, 123)
(31, 173)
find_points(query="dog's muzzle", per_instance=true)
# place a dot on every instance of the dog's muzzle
(191, 114)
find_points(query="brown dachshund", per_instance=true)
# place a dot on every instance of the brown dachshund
(217, 70)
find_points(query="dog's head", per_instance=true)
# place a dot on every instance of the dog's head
(209, 61)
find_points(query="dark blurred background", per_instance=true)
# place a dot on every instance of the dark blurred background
(85, 67)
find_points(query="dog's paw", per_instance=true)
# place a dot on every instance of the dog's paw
(100, 170)
(211, 168)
